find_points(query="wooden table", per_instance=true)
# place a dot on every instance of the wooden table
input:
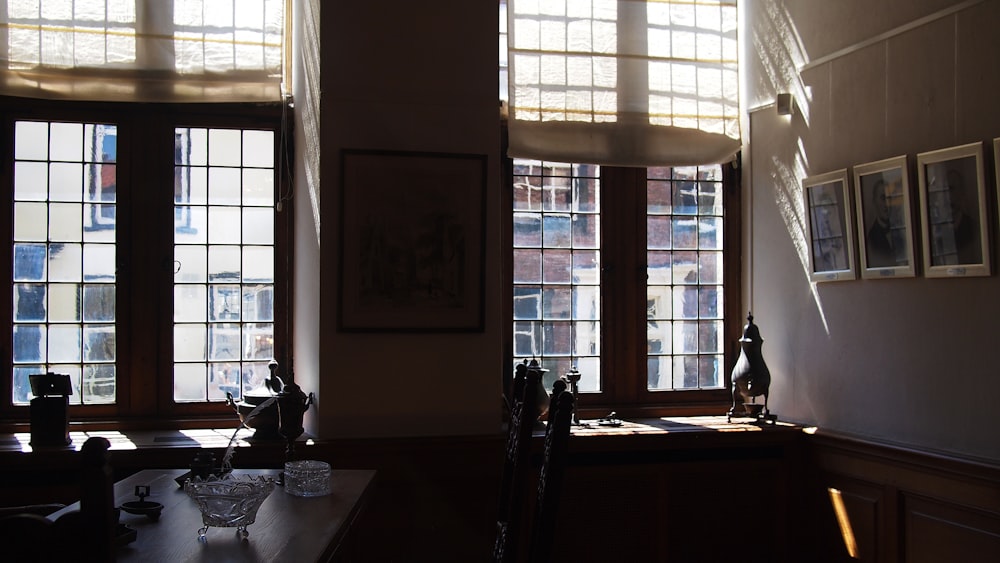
(288, 528)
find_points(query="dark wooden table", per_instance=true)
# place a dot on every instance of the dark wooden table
(288, 528)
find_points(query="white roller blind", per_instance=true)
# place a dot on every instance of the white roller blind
(143, 50)
(623, 82)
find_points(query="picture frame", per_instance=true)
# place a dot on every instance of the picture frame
(954, 228)
(996, 167)
(412, 240)
(885, 219)
(829, 227)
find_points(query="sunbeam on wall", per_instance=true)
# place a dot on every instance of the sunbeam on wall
(781, 55)
(846, 531)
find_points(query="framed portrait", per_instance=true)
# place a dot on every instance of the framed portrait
(829, 227)
(412, 235)
(885, 219)
(954, 231)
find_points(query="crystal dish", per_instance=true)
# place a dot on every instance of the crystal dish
(229, 501)
(307, 478)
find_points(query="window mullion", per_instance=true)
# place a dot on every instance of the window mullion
(623, 286)
(148, 266)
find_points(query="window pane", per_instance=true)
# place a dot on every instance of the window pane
(224, 239)
(224, 263)
(99, 302)
(99, 343)
(527, 266)
(190, 303)
(65, 182)
(258, 151)
(258, 302)
(258, 341)
(59, 242)
(29, 302)
(258, 187)
(224, 225)
(527, 230)
(31, 140)
(31, 181)
(64, 303)
(557, 266)
(190, 382)
(224, 186)
(190, 264)
(64, 262)
(556, 289)
(66, 142)
(258, 225)
(224, 147)
(31, 221)
(189, 342)
(258, 264)
(684, 275)
(98, 384)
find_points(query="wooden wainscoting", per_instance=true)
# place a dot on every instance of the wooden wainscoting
(878, 503)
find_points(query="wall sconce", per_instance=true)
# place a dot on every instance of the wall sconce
(785, 104)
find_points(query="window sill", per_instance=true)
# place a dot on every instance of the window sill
(143, 449)
(144, 439)
(682, 438)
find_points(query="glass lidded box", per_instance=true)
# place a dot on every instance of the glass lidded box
(307, 478)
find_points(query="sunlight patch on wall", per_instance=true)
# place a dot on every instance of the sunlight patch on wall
(781, 54)
(789, 201)
(846, 532)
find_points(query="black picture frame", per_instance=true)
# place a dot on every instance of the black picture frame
(412, 241)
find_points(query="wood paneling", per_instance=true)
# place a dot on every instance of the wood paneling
(686, 495)
(900, 505)
(939, 531)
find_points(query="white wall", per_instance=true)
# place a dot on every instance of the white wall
(907, 361)
(411, 76)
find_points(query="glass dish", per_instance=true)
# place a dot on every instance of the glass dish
(307, 478)
(229, 501)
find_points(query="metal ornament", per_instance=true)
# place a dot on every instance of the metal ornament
(751, 378)
(573, 377)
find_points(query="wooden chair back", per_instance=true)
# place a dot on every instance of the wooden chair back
(524, 410)
(551, 476)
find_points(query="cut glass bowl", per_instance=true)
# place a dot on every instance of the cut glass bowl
(228, 501)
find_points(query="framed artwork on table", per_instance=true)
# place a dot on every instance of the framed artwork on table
(885, 219)
(412, 235)
(829, 227)
(954, 232)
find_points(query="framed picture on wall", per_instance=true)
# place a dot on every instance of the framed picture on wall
(412, 241)
(996, 165)
(885, 219)
(829, 227)
(954, 232)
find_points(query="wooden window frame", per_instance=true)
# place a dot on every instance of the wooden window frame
(623, 300)
(144, 319)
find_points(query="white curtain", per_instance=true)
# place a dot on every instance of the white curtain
(143, 50)
(623, 82)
